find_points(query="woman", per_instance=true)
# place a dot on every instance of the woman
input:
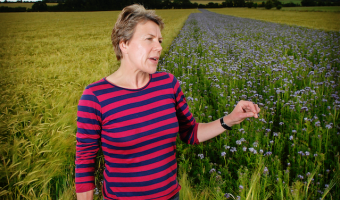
(136, 113)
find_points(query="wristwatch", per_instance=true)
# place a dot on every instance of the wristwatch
(225, 126)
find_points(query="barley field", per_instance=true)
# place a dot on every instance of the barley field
(313, 9)
(46, 61)
(283, 1)
(316, 20)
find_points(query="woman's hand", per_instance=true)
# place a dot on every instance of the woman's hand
(243, 110)
(85, 195)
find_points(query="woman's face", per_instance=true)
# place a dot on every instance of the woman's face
(144, 48)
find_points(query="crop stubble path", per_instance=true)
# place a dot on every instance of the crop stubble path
(291, 72)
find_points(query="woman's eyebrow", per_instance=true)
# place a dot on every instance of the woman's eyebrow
(154, 36)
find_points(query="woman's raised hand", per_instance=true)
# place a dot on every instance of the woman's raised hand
(243, 110)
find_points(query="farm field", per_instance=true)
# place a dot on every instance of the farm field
(45, 67)
(283, 1)
(207, 1)
(313, 9)
(256, 1)
(292, 72)
(27, 5)
(292, 151)
(317, 20)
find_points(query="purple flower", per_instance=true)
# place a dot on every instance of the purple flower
(233, 149)
(265, 171)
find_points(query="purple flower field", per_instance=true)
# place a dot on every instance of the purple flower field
(292, 73)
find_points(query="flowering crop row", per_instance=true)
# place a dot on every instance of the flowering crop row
(291, 72)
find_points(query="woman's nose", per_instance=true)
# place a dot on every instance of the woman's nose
(158, 46)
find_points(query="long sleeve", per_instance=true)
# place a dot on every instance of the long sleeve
(88, 137)
(187, 123)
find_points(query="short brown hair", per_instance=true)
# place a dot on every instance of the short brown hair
(127, 22)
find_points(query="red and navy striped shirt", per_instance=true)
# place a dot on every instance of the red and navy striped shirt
(137, 129)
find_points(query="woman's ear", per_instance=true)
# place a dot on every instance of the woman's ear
(123, 46)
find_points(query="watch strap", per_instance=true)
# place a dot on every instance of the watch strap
(225, 126)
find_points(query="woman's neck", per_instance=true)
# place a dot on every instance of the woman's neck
(129, 78)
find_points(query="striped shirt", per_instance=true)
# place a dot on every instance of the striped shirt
(137, 129)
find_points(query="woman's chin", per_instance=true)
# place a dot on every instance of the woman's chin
(152, 70)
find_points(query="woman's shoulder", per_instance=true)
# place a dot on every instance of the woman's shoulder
(163, 74)
(96, 84)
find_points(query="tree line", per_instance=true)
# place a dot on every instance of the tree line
(106, 5)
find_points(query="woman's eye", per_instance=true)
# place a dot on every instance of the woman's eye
(160, 41)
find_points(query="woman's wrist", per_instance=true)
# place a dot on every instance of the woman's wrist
(228, 121)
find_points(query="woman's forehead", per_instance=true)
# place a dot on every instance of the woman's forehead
(148, 28)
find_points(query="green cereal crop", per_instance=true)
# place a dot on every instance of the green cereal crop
(46, 61)
(313, 9)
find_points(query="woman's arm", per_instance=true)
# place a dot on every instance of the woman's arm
(88, 140)
(243, 110)
(85, 195)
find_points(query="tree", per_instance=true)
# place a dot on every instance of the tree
(229, 3)
(269, 4)
(276, 3)
(39, 6)
(308, 3)
(166, 4)
(182, 4)
(321, 3)
(239, 3)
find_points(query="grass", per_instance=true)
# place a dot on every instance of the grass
(313, 9)
(27, 5)
(317, 20)
(46, 61)
(256, 1)
(283, 1)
